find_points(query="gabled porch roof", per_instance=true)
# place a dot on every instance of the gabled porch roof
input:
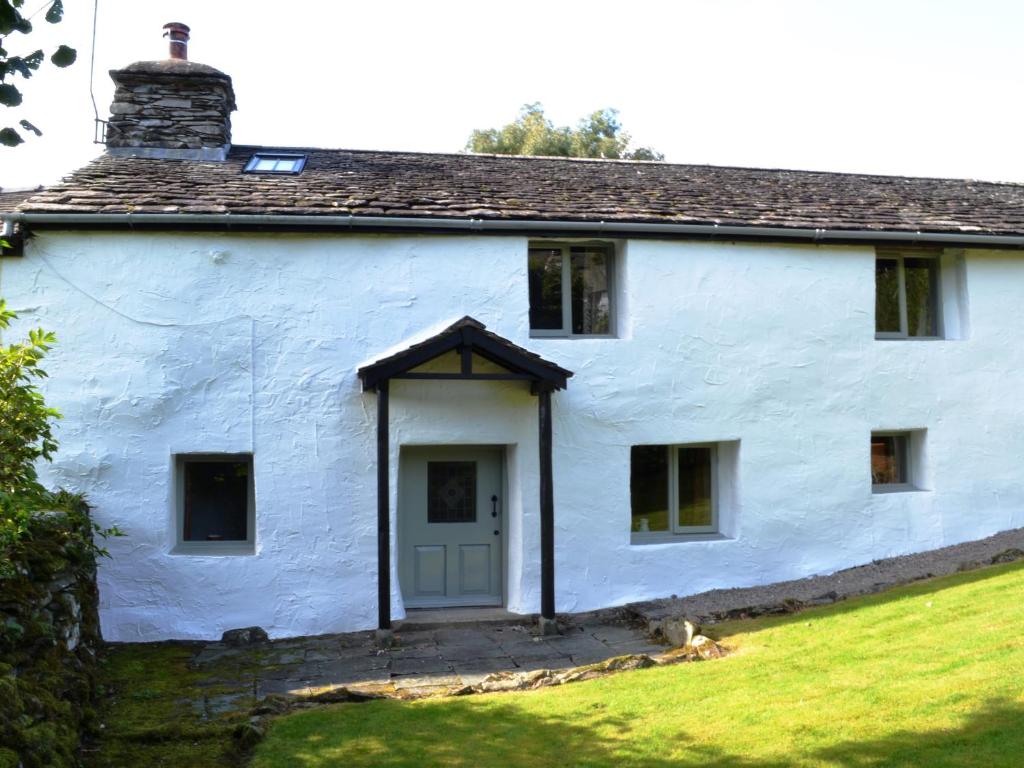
(468, 337)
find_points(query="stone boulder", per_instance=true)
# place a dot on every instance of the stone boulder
(705, 648)
(1007, 556)
(237, 638)
(679, 631)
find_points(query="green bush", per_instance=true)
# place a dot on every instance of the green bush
(49, 626)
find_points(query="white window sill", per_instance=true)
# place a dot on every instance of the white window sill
(214, 548)
(897, 488)
(891, 337)
(556, 335)
(637, 539)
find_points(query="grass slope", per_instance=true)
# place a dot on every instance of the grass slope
(928, 675)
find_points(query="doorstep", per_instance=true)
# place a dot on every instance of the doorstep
(441, 618)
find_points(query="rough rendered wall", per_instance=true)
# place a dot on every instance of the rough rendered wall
(208, 343)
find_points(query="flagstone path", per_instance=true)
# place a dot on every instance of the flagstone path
(423, 662)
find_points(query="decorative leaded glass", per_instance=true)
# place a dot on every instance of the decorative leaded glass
(451, 491)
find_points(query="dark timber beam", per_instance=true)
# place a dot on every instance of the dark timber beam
(383, 512)
(547, 516)
(464, 377)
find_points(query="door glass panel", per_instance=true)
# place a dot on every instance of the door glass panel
(545, 279)
(648, 488)
(887, 296)
(695, 487)
(451, 491)
(921, 297)
(591, 309)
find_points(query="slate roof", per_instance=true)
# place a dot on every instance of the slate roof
(10, 199)
(409, 184)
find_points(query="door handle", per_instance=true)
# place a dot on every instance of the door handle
(494, 506)
(497, 533)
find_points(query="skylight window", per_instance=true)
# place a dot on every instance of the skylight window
(275, 163)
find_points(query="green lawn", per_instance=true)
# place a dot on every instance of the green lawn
(930, 675)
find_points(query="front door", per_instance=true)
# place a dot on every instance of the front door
(450, 512)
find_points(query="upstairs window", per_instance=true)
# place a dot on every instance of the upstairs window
(571, 289)
(275, 163)
(906, 295)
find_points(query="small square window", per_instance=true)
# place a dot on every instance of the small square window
(571, 289)
(890, 461)
(275, 163)
(673, 490)
(215, 503)
(907, 294)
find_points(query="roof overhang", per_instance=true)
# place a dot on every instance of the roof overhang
(520, 227)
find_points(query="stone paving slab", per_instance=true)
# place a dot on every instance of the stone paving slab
(422, 661)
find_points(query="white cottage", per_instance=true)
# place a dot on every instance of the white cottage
(317, 388)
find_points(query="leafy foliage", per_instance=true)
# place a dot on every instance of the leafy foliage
(12, 20)
(26, 436)
(26, 422)
(49, 634)
(598, 135)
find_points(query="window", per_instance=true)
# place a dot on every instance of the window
(451, 491)
(275, 163)
(907, 294)
(673, 490)
(571, 289)
(215, 503)
(890, 461)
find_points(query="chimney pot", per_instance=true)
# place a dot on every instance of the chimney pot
(177, 34)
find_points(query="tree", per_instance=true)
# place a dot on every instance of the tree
(598, 135)
(12, 20)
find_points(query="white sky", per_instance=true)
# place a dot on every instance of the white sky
(930, 87)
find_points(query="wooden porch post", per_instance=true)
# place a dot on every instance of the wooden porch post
(547, 517)
(383, 512)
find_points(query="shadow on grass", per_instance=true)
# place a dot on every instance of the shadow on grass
(723, 630)
(459, 733)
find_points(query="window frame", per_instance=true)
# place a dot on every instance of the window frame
(250, 166)
(904, 455)
(565, 332)
(900, 256)
(676, 531)
(237, 547)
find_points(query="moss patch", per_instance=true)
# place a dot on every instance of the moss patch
(158, 710)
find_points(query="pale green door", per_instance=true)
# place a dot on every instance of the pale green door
(450, 526)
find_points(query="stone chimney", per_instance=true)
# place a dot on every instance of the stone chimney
(173, 108)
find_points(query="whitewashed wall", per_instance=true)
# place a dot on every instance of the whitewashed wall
(208, 343)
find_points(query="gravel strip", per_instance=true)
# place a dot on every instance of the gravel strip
(788, 596)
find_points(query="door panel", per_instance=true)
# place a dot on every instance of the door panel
(475, 569)
(450, 525)
(431, 572)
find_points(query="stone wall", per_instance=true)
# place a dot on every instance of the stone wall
(170, 105)
(49, 635)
